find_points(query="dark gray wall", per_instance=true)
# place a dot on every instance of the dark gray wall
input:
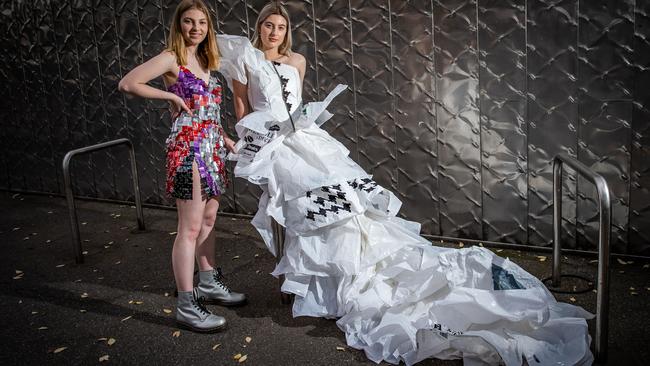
(458, 106)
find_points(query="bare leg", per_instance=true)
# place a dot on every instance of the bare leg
(206, 240)
(190, 218)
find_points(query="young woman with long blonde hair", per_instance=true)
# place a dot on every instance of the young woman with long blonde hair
(196, 151)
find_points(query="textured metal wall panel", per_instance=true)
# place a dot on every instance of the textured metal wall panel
(502, 98)
(371, 45)
(50, 82)
(439, 108)
(335, 66)
(90, 100)
(41, 168)
(414, 90)
(552, 31)
(129, 48)
(151, 150)
(605, 39)
(238, 17)
(5, 93)
(19, 125)
(113, 107)
(304, 42)
(456, 58)
(232, 17)
(72, 95)
(639, 235)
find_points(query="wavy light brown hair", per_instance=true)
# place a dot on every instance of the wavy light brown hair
(271, 8)
(207, 51)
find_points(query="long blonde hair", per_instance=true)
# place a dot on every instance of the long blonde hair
(269, 9)
(207, 52)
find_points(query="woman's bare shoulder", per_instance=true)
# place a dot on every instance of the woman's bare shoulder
(296, 59)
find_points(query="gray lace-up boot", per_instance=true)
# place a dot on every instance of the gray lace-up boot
(214, 291)
(192, 315)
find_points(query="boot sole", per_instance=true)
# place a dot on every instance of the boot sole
(201, 330)
(225, 303)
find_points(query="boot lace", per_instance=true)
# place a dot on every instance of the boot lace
(197, 303)
(219, 279)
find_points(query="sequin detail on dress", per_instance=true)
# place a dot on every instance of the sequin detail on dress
(196, 138)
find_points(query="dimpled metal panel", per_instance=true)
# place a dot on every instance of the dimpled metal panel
(375, 115)
(5, 94)
(552, 113)
(415, 125)
(639, 218)
(502, 84)
(457, 105)
(335, 59)
(605, 39)
(456, 70)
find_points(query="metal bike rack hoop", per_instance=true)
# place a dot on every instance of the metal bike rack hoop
(604, 235)
(74, 224)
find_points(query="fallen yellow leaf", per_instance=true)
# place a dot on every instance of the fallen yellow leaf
(243, 358)
(248, 339)
(172, 233)
(541, 258)
(214, 348)
(103, 358)
(573, 299)
(235, 257)
(340, 348)
(111, 341)
(619, 260)
(632, 288)
(167, 311)
(84, 295)
(138, 302)
(176, 334)
(460, 245)
(127, 318)
(102, 339)
(237, 356)
(634, 293)
(42, 328)
(60, 349)
(18, 271)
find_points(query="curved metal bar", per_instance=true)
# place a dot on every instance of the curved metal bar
(69, 195)
(604, 236)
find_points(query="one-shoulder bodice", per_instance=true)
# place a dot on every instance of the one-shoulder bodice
(242, 62)
(269, 83)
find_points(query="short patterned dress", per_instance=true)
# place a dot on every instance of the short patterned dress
(197, 138)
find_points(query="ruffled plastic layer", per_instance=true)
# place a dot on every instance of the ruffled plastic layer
(396, 296)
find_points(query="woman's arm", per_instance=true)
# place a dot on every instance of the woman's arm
(240, 97)
(135, 82)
